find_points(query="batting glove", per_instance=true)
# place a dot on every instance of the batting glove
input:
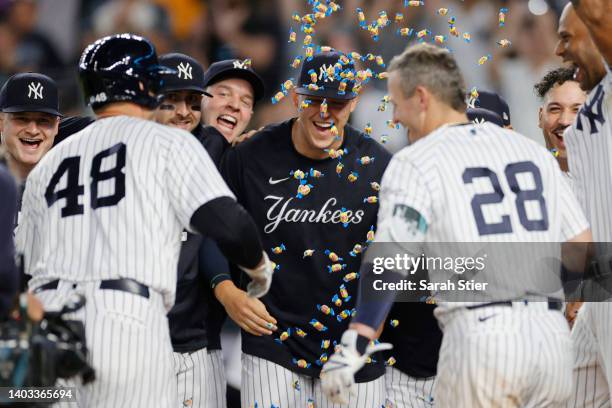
(261, 278)
(338, 374)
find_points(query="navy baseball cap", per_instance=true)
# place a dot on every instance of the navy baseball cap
(493, 102)
(235, 68)
(327, 66)
(189, 74)
(29, 92)
(480, 115)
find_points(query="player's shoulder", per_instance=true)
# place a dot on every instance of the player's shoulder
(7, 182)
(270, 138)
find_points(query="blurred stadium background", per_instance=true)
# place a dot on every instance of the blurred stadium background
(48, 36)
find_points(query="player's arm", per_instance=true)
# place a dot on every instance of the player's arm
(8, 273)
(597, 16)
(247, 312)
(405, 204)
(576, 250)
(402, 214)
(203, 203)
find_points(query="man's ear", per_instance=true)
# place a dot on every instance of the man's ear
(354, 103)
(540, 114)
(295, 98)
(423, 96)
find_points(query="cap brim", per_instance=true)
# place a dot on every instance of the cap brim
(249, 76)
(174, 88)
(326, 93)
(31, 108)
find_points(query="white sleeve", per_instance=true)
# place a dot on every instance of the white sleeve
(572, 217)
(405, 210)
(191, 177)
(27, 235)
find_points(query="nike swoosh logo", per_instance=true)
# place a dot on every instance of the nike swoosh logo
(272, 181)
(482, 319)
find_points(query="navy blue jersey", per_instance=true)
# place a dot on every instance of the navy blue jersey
(416, 338)
(196, 318)
(309, 212)
(9, 276)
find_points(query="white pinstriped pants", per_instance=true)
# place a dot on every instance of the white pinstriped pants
(499, 356)
(404, 391)
(591, 389)
(129, 344)
(267, 384)
(191, 382)
(216, 385)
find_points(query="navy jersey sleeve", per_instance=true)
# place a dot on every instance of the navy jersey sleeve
(8, 272)
(231, 170)
(212, 264)
(214, 142)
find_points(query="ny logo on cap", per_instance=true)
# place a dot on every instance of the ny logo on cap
(246, 64)
(324, 71)
(35, 90)
(184, 69)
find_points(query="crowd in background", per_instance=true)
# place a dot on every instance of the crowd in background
(48, 36)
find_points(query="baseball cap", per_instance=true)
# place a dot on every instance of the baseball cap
(29, 92)
(322, 65)
(235, 68)
(495, 103)
(479, 115)
(189, 74)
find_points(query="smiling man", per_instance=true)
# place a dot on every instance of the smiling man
(562, 98)
(310, 184)
(29, 120)
(183, 92)
(235, 87)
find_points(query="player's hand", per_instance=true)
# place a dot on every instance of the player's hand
(261, 277)
(245, 136)
(571, 311)
(248, 312)
(338, 374)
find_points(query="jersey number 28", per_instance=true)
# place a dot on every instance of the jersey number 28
(73, 190)
(522, 196)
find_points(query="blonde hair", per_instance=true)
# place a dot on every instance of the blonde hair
(433, 68)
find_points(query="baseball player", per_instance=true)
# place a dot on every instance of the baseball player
(585, 42)
(29, 120)
(180, 108)
(310, 184)
(561, 100)
(235, 87)
(196, 320)
(425, 198)
(103, 216)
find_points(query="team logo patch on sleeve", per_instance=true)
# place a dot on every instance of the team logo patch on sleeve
(413, 219)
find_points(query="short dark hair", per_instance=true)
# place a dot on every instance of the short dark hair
(557, 76)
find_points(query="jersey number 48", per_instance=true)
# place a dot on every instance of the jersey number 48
(72, 191)
(522, 196)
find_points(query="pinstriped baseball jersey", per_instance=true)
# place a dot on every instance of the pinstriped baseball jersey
(589, 154)
(477, 183)
(111, 202)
